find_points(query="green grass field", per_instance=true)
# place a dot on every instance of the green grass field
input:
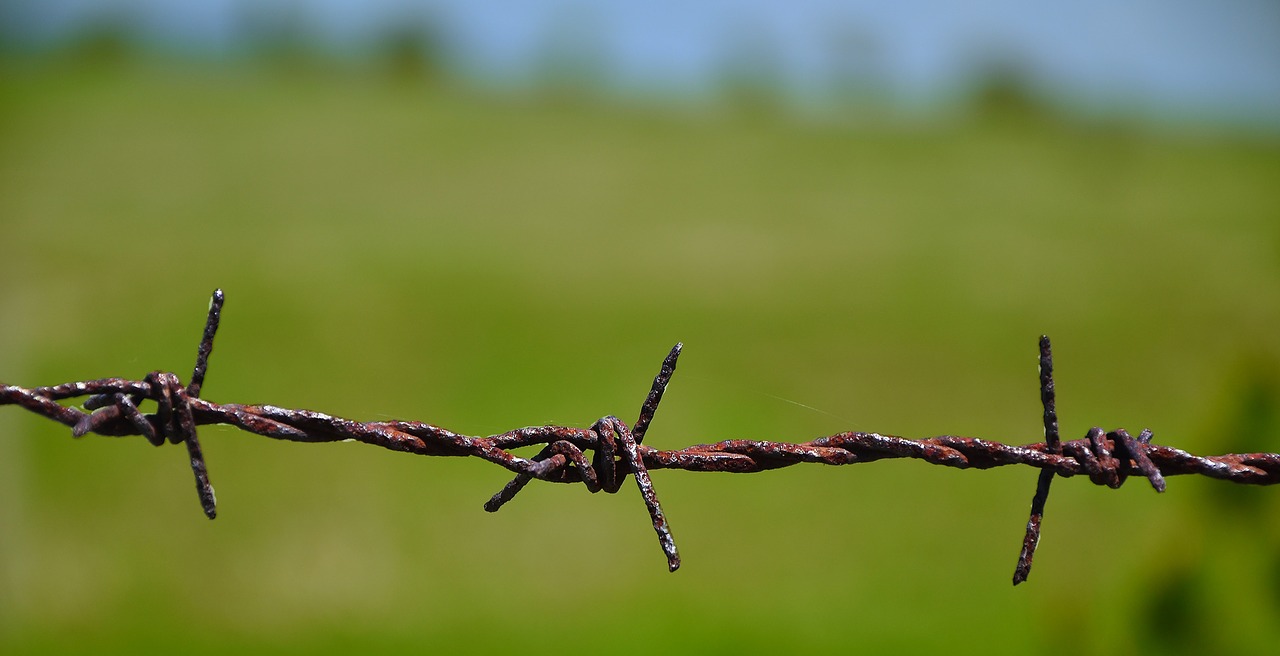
(482, 262)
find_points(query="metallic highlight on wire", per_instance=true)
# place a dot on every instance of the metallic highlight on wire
(617, 449)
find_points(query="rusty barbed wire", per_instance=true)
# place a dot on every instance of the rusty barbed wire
(617, 450)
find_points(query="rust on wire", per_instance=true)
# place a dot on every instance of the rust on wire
(617, 450)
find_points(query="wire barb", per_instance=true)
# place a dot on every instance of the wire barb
(617, 450)
(1052, 445)
(206, 343)
(603, 471)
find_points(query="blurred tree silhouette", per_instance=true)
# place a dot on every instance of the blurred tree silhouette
(572, 62)
(280, 36)
(856, 74)
(751, 77)
(411, 51)
(1001, 90)
(107, 40)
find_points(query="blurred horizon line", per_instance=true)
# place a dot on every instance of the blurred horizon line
(762, 58)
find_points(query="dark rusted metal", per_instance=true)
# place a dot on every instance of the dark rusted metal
(1047, 399)
(1107, 458)
(206, 343)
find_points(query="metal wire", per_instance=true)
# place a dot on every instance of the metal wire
(1105, 457)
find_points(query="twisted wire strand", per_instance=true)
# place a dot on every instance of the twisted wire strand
(1105, 457)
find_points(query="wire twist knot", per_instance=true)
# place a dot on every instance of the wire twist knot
(616, 448)
(615, 453)
(174, 419)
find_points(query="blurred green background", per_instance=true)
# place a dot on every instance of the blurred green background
(395, 242)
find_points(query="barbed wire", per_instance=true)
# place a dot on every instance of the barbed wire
(617, 450)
